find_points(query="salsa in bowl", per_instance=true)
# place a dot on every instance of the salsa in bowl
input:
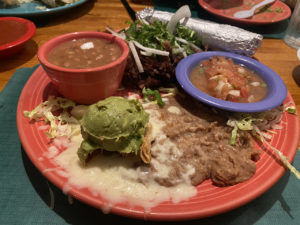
(231, 82)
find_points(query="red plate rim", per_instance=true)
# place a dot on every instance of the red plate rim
(31, 28)
(208, 8)
(209, 201)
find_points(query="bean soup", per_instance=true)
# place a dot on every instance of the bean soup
(84, 53)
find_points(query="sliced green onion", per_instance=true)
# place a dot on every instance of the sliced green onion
(263, 85)
(291, 109)
(201, 70)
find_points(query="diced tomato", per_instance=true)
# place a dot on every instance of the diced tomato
(244, 91)
(212, 84)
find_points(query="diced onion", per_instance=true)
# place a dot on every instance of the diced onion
(266, 135)
(220, 85)
(146, 53)
(136, 57)
(182, 12)
(151, 50)
(251, 98)
(120, 35)
(277, 127)
(87, 45)
(241, 70)
(187, 43)
(215, 77)
(255, 84)
(236, 93)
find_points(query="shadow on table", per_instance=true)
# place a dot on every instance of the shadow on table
(28, 52)
(80, 213)
(62, 16)
(296, 75)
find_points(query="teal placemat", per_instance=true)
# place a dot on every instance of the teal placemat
(276, 30)
(25, 193)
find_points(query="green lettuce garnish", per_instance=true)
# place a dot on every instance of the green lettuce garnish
(290, 109)
(153, 95)
(154, 35)
(44, 111)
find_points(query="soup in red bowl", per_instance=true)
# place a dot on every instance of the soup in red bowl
(85, 66)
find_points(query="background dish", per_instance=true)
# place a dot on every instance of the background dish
(30, 9)
(209, 201)
(14, 46)
(277, 12)
(277, 90)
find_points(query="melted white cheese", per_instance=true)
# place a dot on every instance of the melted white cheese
(174, 109)
(87, 45)
(116, 179)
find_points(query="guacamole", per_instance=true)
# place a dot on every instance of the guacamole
(113, 124)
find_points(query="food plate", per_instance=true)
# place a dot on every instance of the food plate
(277, 90)
(32, 9)
(277, 12)
(210, 200)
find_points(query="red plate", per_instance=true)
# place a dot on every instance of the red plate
(210, 200)
(277, 12)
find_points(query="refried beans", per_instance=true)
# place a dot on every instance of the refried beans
(203, 138)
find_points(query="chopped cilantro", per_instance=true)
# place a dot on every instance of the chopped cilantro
(156, 34)
(265, 9)
(153, 95)
(201, 70)
(279, 10)
(264, 85)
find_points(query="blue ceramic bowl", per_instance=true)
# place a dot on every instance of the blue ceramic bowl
(277, 90)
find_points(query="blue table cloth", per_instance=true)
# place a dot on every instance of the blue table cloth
(25, 193)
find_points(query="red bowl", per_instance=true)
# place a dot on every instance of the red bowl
(17, 43)
(85, 86)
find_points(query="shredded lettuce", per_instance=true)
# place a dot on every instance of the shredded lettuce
(233, 135)
(243, 122)
(169, 91)
(44, 111)
(251, 122)
(263, 120)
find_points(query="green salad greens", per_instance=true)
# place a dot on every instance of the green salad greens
(154, 36)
